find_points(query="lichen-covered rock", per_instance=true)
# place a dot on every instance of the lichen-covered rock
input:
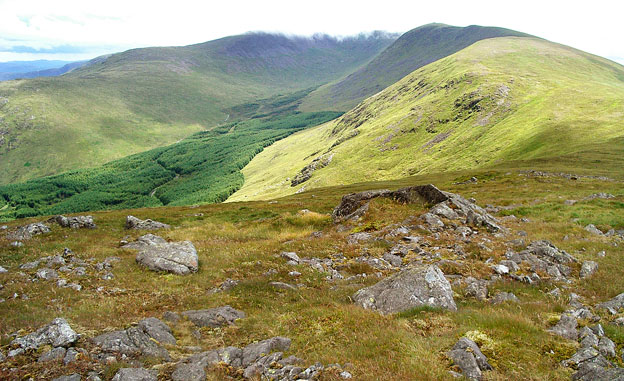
(138, 224)
(77, 222)
(57, 334)
(503, 297)
(189, 372)
(588, 268)
(566, 327)
(408, 289)
(614, 305)
(140, 340)
(26, 232)
(158, 255)
(136, 374)
(253, 352)
(469, 358)
(214, 317)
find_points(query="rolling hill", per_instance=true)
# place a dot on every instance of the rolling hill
(499, 100)
(414, 49)
(144, 98)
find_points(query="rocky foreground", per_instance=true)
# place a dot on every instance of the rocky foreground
(412, 275)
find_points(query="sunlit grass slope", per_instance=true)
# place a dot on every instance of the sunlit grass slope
(498, 100)
(413, 50)
(145, 98)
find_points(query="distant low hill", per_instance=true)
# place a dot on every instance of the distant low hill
(497, 101)
(145, 98)
(414, 49)
(48, 72)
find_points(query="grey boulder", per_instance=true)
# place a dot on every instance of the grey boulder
(77, 222)
(214, 317)
(469, 358)
(138, 224)
(28, 231)
(159, 255)
(144, 339)
(588, 268)
(57, 334)
(408, 289)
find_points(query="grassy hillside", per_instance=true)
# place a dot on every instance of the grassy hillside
(145, 98)
(242, 241)
(499, 100)
(202, 168)
(413, 50)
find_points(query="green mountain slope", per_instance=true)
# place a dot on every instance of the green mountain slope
(202, 168)
(414, 49)
(145, 98)
(498, 100)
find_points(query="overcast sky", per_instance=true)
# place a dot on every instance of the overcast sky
(83, 29)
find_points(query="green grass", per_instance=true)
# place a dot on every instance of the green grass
(413, 50)
(242, 241)
(202, 168)
(505, 102)
(145, 98)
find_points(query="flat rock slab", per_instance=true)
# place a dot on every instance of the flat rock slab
(159, 255)
(214, 317)
(138, 224)
(408, 289)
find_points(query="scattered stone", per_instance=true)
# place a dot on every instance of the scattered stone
(601, 254)
(3, 270)
(469, 358)
(283, 286)
(501, 269)
(355, 238)
(52, 355)
(171, 316)
(433, 222)
(570, 202)
(294, 274)
(227, 285)
(71, 377)
(253, 352)
(593, 229)
(77, 222)
(614, 305)
(566, 327)
(47, 274)
(57, 334)
(476, 288)
(408, 289)
(70, 356)
(502, 297)
(136, 374)
(290, 257)
(588, 268)
(26, 232)
(189, 372)
(17, 244)
(29, 265)
(158, 255)
(138, 224)
(602, 195)
(394, 260)
(214, 317)
(144, 339)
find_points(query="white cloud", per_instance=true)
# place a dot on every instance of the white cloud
(591, 26)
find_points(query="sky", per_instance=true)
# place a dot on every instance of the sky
(77, 30)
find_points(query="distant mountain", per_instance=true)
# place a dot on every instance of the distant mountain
(144, 98)
(50, 72)
(497, 101)
(414, 49)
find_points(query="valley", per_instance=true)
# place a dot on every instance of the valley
(443, 204)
